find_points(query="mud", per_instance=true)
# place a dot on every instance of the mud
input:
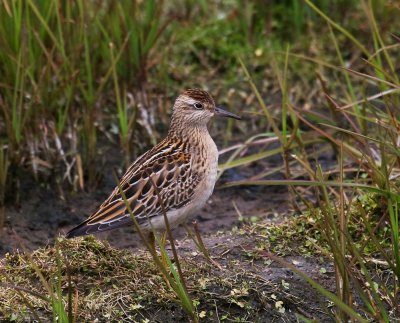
(42, 215)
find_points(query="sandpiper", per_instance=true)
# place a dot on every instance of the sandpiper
(182, 168)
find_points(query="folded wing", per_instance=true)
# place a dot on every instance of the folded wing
(166, 169)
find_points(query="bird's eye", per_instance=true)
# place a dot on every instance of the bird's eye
(198, 106)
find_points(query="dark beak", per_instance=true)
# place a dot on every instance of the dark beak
(221, 112)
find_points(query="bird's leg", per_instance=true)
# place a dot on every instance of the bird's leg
(151, 239)
(152, 242)
(197, 239)
(164, 238)
(163, 245)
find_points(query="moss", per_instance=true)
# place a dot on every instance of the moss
(304, 234)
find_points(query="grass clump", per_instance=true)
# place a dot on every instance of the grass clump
(304, 235)
(105, 279)
(110, 284)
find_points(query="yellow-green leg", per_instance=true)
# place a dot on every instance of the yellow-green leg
(152, 242)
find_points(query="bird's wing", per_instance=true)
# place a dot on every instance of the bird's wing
(166, 169)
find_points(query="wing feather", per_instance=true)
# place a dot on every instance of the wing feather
(168, 166)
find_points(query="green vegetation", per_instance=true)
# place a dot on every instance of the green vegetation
(74, 71)
(314, 79)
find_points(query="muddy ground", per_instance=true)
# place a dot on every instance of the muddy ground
(42, 215)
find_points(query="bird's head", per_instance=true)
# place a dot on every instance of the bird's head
(195, 106)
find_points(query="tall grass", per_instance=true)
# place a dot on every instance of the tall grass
(55, 76)
(364, 131)
(68, 68)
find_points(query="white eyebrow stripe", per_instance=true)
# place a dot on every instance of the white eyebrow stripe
(187, 99)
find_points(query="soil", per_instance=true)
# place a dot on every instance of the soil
(242, 285)
(272, 278)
